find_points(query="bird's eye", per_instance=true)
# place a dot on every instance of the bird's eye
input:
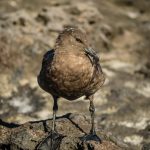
(79, 40)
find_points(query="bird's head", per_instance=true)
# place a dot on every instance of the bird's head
(73, 37)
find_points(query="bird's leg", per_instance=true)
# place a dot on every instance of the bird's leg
(53, 140)
(92, 112)
(55, 109)
(92, 135)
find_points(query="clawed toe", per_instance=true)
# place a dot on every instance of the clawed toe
(51, 142)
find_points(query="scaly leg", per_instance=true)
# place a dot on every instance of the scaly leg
(92, 112)
(53, 140)
(92, 135)
(55, 109)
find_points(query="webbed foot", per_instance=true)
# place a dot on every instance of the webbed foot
(51, 142)
(91, 137)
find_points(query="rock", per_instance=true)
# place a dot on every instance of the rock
(72, 127)
(146, 146)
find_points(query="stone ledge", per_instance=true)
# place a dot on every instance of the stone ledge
(27, 136)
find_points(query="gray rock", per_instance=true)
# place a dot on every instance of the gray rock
(30, 134)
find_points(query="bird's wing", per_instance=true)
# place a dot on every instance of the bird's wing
(92, 54)
(48, 56)
(95, 59)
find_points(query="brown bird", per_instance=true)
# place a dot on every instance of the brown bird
(71, 70)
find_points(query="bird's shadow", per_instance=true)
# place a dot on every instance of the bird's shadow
(67, 116)
(75, 124)
(8, 125)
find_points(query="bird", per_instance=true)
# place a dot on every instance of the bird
(71, 70)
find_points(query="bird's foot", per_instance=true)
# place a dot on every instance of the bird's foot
(91, 137)
(51, 142)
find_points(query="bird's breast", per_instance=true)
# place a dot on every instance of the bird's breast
(71, 71)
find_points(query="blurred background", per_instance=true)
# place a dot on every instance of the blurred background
(119, 30)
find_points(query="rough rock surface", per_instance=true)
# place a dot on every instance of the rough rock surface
(72, 127)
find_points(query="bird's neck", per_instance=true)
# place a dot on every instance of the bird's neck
(69, 48)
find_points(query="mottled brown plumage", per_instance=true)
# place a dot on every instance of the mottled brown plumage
(71, 69)
(67, 70)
